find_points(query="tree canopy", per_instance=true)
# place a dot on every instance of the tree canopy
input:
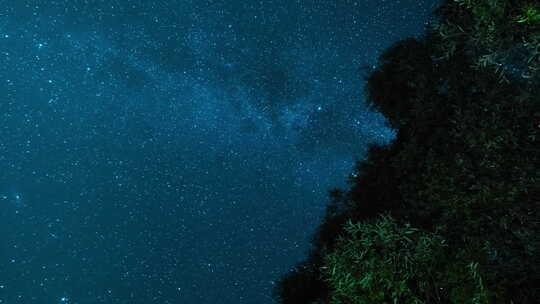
(449, 211)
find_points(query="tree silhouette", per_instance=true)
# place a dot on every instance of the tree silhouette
(463, 169)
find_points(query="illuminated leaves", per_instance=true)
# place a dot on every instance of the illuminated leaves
(383, 261)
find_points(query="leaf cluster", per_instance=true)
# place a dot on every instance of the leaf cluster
(382, 261)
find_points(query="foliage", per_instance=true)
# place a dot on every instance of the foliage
(384, 262)
(530, 15)
(301, 285)
(495, 31)
(465, 100)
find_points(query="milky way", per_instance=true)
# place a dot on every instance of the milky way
(178, 151)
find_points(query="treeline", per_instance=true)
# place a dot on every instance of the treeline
(449, 211)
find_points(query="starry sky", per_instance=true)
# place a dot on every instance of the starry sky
(160, 151)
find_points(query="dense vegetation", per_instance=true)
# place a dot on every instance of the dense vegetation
(448, 212)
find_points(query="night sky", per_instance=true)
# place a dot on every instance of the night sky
(161, 151)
